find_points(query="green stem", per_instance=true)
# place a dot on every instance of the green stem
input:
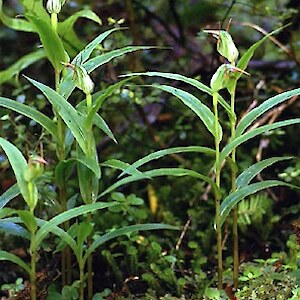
(33, 254)
(88, 102)
(217, 198)
(81, 280)
(90, 149)
(66, 257)
(54, 21)
(90, 264)
(233, 188)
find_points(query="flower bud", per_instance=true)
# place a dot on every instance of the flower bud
(83, 80)
(224, 76)
(54, 6)
(220, 79)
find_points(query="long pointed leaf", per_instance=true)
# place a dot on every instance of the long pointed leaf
(9, 194)
(200, 109)
(247, 120)
(200, 86)
(66, 28)
(120, 165)
(100, 60)
(62, 234)
(4, 255)
(234, 198)
(67, 215)
(161, 153)
(122, 231)
(14, 229)
(51, 42)
(19, 165)
(67, 85)
(14, 23)
(178, 172)
(21, 64)
(244, 60)
(101, 123)
(31, 113)
(85, 54)
(68, 113)
(246, 176)
(253, 133)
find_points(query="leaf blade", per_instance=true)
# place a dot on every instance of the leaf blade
(71, 117)
(253, 133)
(246, 176)
(31, 113)
(262, 108)
(67, 215)
(232, 199)
(52, 44)
(4, 255)
(200, 109)
(161, 153)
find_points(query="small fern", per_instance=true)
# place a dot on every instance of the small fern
(252, 210)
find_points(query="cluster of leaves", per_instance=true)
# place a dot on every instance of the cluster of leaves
(152, 259)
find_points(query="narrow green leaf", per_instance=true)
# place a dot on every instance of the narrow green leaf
(101, 123)
(7, 211)
(68, 113)
(122, 231)
(19, 165)
(234, 198)
(37, 8)
(67, 215)
(253, 133)
(246, 176)
(63, 170)
(120, 165)
(84, 229)
(201, 110)
(91, 164)
(161, 153)
(88, 182)
(178, 172)
(197, 84)
(9, 194)
(66, 28)
(67, 85)
(116, 164)
(52, 44)
(28, 219)
(66, 237)
(4, 255)
(85, 54)
(100, 60)
(247, 120)
(14, 23)
(20, 65)
(31, 113)
(244, 60)
(14, 229)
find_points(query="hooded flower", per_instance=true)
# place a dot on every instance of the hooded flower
(54, 6)
(225, 45)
